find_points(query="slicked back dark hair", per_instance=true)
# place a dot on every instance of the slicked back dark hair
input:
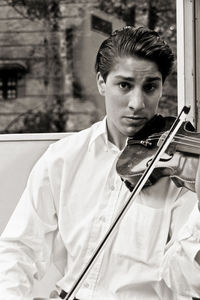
(130, 41)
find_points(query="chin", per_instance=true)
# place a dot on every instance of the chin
(131, 132)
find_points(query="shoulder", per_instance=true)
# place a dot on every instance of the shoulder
(75, 143)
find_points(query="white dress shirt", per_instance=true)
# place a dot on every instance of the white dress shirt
(71, 198)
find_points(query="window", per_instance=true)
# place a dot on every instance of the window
(8, 86)
(188, 58)
(101, 25)
(11, 79)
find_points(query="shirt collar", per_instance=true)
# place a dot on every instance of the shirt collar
(100, 131)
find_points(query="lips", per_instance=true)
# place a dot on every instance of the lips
(137, 121)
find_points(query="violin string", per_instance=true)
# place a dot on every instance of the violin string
(178, 135)
(190, 139)
(177, 138)
(186, 144)
(180, 140)
(183, 144)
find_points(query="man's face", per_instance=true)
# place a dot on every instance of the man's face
(132, 91)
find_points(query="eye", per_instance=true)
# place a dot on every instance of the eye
(124, 85)
(150, 87)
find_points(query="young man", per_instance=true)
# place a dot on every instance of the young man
(74, 192)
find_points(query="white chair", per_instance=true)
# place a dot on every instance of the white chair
(18, 154)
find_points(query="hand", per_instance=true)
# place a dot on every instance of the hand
(188, 172)
(185, 170)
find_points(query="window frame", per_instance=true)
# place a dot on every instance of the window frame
(188, 61)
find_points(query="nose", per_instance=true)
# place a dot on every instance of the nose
(136, 100)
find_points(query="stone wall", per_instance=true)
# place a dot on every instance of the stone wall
(59, 68)
(49, 72)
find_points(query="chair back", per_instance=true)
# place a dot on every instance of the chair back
(18, 154)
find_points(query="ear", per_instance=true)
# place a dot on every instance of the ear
(100, 84)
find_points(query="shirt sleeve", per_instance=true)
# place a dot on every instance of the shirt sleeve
(181, 265)
(26, 243)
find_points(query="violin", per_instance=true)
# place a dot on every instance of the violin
(139, 166)
(143, 146)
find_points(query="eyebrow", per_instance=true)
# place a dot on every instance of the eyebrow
(153, 79)
(149, 79)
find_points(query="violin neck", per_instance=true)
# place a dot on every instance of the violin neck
(187, 145)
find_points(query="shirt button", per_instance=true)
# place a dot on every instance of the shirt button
(102, 219)
(112, 187)
(86, 285)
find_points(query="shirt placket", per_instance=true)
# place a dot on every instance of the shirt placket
(107, 210)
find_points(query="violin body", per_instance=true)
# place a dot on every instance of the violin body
(143, 146)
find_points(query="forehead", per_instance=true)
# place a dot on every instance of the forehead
(134, 67)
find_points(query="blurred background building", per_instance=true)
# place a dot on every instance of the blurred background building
(47, 55)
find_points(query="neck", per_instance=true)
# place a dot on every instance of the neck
(120, 144)
(118, 140)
